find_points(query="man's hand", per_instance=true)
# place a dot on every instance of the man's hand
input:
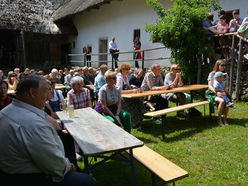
(73, 168)
(165, 87)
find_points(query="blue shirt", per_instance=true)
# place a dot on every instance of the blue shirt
(234, 28)
(207, 24)
(99, 82)
(219, 85)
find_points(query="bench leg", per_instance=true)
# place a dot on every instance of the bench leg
(132, 167)
(210, 113)
(163, 126)
(204, 111)
(153, 179)
(153, 127)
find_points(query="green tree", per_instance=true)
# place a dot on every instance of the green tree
(180, 29)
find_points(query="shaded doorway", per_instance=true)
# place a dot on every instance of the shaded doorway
(103, 48)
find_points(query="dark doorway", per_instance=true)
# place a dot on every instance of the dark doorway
(8, 50)
(103, 48)
(136, 33)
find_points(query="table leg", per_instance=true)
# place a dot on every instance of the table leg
(86, 165)
(163, 125)
(132, 167)
(191, 96)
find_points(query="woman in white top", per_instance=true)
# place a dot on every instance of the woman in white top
(220, 65)
(134, 106)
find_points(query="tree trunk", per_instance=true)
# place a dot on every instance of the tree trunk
(199, 62)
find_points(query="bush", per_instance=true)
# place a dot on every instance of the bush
(180, 29)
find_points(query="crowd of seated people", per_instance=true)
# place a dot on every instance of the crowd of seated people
(108, 88)
(38, 150)
(220, 27)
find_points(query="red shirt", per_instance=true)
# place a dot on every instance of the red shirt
(6, 102)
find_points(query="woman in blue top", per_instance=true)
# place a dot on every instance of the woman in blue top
(57, 99)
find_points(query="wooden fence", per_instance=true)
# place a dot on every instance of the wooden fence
(233, 49)
(143, 59)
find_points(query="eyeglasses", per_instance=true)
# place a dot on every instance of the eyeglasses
(222, 65)
(113, 78)
(177, 69)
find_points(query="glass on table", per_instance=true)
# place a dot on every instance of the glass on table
(70, 110)
(63, 105)
(140, 90)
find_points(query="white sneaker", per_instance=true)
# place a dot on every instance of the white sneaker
(229, 104)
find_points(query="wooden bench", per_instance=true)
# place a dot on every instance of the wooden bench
(158, 165)
(163, 112)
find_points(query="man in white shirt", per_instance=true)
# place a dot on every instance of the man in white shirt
(113, 49)
(32, 152)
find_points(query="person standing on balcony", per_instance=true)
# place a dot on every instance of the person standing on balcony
(137, 55)
(113, 49)
(235, 23)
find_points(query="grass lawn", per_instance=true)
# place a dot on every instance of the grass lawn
(212, 155)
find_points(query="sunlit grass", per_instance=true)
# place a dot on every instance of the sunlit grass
(212, 155)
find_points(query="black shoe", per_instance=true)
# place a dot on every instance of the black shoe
(136, 126)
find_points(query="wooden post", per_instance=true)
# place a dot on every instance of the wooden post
(143, 59)
(24, 49)
(84, 56)
(238, 70)
(112, 62)
(66, 59)
(231, 67)
(199, 63)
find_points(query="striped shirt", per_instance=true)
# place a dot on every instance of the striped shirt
(80, 100)
(151, 81)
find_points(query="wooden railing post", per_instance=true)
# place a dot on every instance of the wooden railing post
(239, 69)
(143, 59)
(112, 62)
(84, 56)
(232, 64)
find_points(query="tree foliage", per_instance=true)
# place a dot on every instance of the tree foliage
(180, 29)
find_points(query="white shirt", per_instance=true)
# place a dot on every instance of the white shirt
(112, 45)
(29, 143)
(55, 97)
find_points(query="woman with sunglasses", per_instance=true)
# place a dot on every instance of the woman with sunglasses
(134, 106)
(173, 79)
(210, 94)
(109, 102)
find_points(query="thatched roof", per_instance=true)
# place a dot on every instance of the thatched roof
(30, 16)
(71, 7)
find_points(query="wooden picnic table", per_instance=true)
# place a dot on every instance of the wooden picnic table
(158, 92)
(57, 87)
(60, 87)
(96, 136)
(90, 86)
